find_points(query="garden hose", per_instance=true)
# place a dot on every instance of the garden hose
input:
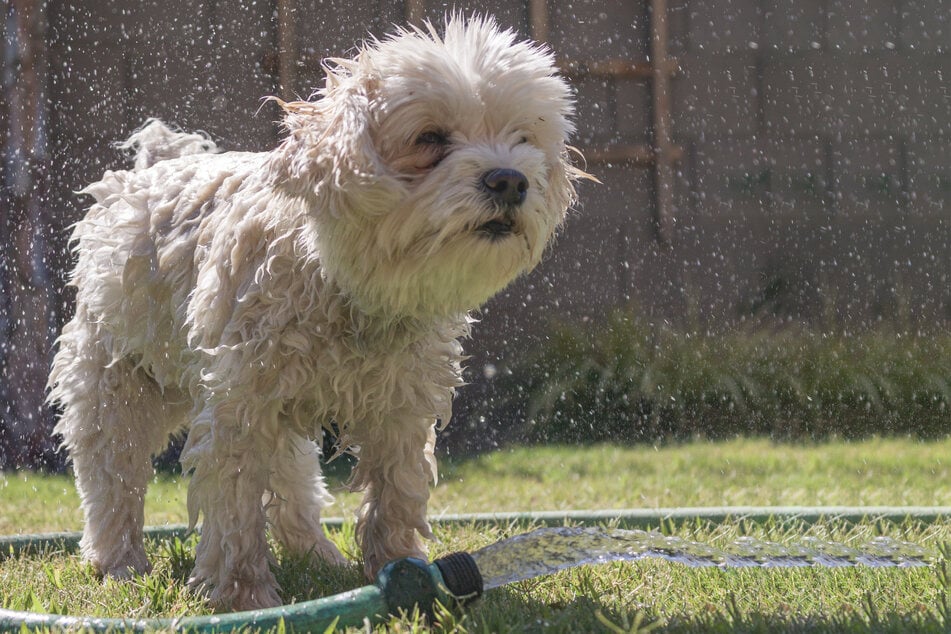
(407, 584)
(401, 586)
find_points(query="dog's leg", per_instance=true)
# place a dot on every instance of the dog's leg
(228, 452)
(297, 496)
(395, 470)
(114, 419)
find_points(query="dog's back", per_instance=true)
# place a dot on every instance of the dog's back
(155, 141)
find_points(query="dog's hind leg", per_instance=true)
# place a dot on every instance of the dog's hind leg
(395, 471)
(114, 418)
(297, 496)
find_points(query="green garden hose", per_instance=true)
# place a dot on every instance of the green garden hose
(401, 586)
(405, 584)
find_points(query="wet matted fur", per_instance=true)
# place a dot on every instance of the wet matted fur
(254, 298)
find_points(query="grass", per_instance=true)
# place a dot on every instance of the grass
(649, 595)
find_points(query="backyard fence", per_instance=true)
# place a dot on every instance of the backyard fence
(759, 159)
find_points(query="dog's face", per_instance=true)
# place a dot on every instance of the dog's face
(437, 167)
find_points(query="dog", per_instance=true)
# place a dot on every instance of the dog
(256, 299)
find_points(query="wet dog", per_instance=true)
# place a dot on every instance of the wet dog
(253, 299)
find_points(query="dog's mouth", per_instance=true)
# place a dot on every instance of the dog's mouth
(497, 227)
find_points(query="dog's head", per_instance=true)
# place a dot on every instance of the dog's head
(436, 166)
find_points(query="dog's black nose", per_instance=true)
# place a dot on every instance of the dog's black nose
(505, 186)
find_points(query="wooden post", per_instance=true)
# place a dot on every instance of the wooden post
(26, 293)
(538, 18)
(663, 166)
(415, 11)
(287, 49)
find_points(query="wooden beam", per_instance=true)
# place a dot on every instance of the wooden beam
(616, 68)
(640, 154)
(570, 68)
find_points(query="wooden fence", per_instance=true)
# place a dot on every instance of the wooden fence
(760, 160)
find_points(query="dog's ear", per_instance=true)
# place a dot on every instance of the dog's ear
(329, 150)
(561, 179)
(564, 175)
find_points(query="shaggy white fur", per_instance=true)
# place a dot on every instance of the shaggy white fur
(252, 298)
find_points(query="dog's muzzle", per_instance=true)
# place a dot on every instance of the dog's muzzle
(506, 188)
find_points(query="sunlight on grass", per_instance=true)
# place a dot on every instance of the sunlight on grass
(878, 472)
(32, 503)
(613, 597)
(735, 473)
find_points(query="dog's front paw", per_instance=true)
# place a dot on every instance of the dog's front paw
(127, 571)
(122, 565)
(243, 597)
(237, 595)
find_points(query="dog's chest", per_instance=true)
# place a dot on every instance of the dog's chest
(359, 380)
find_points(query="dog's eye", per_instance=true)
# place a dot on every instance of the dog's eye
(433, 146)
(432, 138)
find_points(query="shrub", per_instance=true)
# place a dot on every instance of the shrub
(630, 380)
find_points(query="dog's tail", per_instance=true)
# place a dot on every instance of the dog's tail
(155, 142)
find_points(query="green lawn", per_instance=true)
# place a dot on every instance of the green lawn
(610, 597)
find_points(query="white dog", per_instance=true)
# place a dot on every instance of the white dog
(254, 298)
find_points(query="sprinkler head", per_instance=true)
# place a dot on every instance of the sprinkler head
(407, 583)
(461, 575)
